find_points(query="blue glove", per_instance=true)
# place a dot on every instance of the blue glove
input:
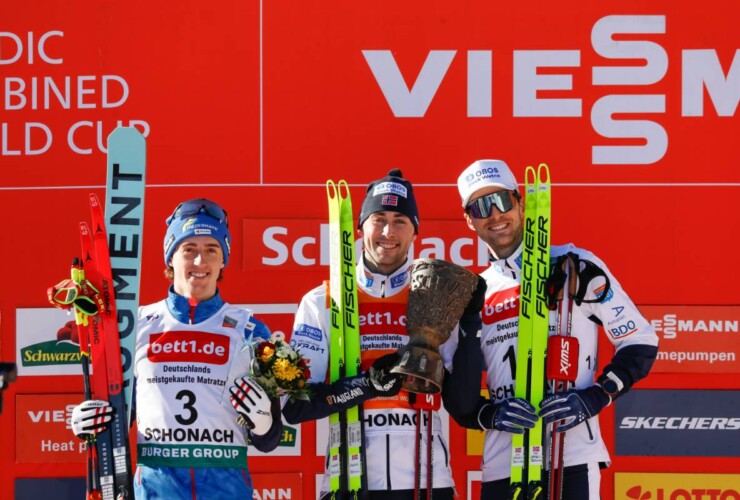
(573, 406)
(510, 415)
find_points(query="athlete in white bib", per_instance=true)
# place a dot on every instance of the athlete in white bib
(191, 364)
(494, 209)
(388, 225)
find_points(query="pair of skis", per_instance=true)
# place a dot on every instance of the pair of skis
(527, 450)
(111, 263)
(346, 455)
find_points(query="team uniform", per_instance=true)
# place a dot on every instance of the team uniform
(389, 422)
(189, 443)
(631, 334)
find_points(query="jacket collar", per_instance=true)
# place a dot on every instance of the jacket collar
(381, 285)
(180, 307)
(511, 265)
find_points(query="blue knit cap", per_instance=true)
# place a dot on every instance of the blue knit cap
(199, 217)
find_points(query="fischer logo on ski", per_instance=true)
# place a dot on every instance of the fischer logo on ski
(347, 458)
(527, 450)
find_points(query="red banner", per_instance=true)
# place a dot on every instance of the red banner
(696, 339)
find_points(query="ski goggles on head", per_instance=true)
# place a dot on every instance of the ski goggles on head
(482, 207)
(199, 206)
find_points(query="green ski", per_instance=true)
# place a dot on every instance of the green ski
(527, 450)
(346, 436)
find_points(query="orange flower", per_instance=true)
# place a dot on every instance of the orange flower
(267, 353)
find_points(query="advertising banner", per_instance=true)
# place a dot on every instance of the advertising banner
(277, 486)
(696, 339)
(44, 431)
(690, 423)
(658, 486)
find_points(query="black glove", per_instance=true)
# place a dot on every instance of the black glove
(380, 380)
(510, 415)
(470, 321)
(573, 406)
(475, 304)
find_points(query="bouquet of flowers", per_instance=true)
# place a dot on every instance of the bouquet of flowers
(280, 370)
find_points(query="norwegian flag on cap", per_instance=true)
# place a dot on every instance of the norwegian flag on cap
(389, 199)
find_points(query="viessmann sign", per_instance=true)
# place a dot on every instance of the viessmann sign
(696, 339)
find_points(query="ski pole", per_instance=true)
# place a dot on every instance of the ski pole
(81, 320)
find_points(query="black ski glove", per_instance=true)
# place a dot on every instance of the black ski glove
(380, 380)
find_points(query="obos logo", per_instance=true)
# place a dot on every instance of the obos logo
(484, 173)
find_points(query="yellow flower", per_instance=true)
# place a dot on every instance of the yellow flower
(267, 353)
(284, 370)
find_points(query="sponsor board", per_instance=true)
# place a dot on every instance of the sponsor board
(57, 487)
(474, 442)
(289, 446)
(696, 339)
(44, 342)
(475, 439)
(300, 244)
(473, 481)
(661, 486)
(288, 486)
(694, 423)
(43, 432)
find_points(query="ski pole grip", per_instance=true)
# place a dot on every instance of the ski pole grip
(562, 358)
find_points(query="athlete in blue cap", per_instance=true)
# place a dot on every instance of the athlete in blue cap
(191, 369)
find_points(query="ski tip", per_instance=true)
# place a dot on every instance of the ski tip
(543, 173)
(530, 176)
(331, 189)
(126, 133)
(343, 189)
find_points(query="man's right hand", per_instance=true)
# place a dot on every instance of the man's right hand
(91, 417)
(380, 380)
(510, 415)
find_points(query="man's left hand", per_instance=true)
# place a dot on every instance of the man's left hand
(573, 406)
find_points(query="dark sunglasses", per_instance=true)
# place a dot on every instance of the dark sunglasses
(482, 208)
(199, 206)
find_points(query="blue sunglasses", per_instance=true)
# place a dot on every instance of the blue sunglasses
(199, 206)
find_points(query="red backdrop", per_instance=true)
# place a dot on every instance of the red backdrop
(256, 104)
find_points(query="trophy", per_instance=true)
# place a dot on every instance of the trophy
(438, 295)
